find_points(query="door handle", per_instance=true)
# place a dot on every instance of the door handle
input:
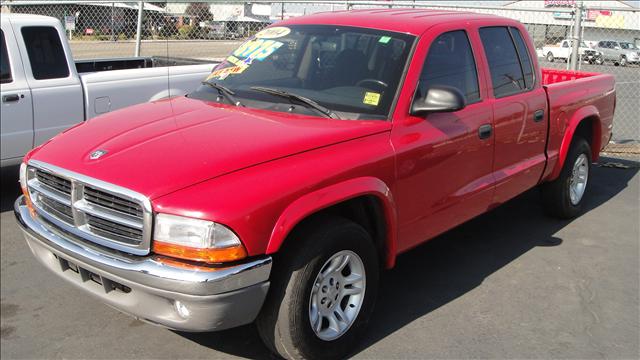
(10, 98)
(538, 115)
(484, 131)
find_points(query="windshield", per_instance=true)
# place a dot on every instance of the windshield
(628, 46)
(353, 72)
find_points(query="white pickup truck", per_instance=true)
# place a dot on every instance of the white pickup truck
(562, 51)
(43, 91)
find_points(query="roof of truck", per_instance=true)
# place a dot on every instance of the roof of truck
(26, 18)
(405, 20)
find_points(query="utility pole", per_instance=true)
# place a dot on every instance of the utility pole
(577, 36)
(139, 28)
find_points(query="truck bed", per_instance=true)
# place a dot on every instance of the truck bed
(574, 95)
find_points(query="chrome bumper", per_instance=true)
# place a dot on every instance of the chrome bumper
(179, 298)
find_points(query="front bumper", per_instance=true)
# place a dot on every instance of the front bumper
(176, 297)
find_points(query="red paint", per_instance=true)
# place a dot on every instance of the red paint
(261, 172)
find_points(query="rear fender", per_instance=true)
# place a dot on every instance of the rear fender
(582, 114)
(167, 94)
(313, 202)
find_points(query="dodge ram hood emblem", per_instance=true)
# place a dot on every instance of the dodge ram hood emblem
(97, 154)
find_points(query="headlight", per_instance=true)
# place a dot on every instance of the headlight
(195, 239)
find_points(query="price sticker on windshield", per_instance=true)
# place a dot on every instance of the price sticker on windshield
(273, 32)
(371, 98)
(257, 49)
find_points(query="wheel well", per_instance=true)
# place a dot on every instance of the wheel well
(366, 211)
(589, 129)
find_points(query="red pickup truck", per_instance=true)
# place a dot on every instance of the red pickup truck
(318, 151)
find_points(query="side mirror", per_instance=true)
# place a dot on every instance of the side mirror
(439, 98)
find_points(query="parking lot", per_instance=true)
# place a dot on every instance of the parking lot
(512, 283)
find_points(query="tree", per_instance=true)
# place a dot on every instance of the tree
(199, 11)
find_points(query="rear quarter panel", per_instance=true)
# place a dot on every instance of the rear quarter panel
(111, 90)
(572, 101)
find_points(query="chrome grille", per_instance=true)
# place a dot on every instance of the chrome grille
(107, 200)
(92, 209)
(110, 229)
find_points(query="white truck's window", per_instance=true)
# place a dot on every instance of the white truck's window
(450, 62)
(45, 51)
(506, 71)
(5, 67)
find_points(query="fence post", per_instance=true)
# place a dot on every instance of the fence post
(139, 28)
(577, 37)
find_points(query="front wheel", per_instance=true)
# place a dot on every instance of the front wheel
(322, 293)
(563, 197)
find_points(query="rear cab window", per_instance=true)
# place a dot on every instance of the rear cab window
(510, 68)
(45, 51)
(450, 62)
(5, 65)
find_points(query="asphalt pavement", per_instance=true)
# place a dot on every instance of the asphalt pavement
(512, 283)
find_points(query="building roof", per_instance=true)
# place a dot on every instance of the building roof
(412, 21)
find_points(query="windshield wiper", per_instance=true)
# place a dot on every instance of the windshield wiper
(299, 98)
(225, 92)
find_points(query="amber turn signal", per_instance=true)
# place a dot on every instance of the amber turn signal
(25, 191)
(210, 255)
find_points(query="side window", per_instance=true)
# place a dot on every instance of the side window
(5, 67)
(504, 65)
(565, 44)
(450, 62)
(525, 57)
(45, 51)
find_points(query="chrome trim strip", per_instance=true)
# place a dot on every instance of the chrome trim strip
(108, 214)
(81, 229)
(49, 192)
(147, 271)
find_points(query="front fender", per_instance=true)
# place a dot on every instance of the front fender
(323, 198)
(580, 115)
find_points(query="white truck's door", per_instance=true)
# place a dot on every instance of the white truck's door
(52, 77)
(16, 113)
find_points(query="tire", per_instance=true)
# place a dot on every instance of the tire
(285, 324)
(550, 57)
(557, 196)
(623, 61)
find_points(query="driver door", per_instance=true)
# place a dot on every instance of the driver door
(444, 160)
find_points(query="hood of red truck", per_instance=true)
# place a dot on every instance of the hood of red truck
(160, 147)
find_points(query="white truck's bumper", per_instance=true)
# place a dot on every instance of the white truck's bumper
(181, 298)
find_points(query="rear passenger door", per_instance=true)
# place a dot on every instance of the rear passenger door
(16, 115)
(519, 111)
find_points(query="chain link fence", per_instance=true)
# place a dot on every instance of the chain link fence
(609, 34)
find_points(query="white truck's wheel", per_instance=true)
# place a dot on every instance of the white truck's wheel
(550, 57)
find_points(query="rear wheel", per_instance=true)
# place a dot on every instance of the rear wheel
(564, 196)
(550, 57)
(322, 292)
